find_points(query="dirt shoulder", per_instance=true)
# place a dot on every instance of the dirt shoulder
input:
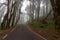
(49, 34)
(3, 32)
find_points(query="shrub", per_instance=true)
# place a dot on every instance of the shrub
(36, 24)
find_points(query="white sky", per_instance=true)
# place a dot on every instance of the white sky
(2, 1)
(25, 4)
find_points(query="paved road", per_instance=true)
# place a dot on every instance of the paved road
(22, 33)
(0, 38)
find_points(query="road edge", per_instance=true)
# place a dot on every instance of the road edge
(8, 33)
(36, 33)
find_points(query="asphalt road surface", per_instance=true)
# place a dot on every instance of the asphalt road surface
(22, 33)
(0, 39)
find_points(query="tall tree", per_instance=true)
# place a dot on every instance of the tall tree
(31, 15)
(10, 16)
(38, 10)
(55, 5)
(32, 10)
(3, 24)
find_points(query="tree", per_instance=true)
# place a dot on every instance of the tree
(32, 6)
(55, 6)
(10, 16)
(38, 10)
(3, 24)
(18, 17)
(32, 10)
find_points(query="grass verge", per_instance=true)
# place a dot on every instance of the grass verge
(46, 30)
(38, 25)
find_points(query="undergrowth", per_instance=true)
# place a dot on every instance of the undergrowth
(36, 24)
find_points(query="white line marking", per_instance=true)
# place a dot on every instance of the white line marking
(36, 33)
(5, 36)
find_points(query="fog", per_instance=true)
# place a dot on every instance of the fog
(25, 5)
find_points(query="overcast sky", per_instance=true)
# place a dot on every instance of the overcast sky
(25, 4)
(2, 1)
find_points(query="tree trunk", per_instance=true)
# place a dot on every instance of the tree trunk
(38, 10)
(56, 15)
(3, 24)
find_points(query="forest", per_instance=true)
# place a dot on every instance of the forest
(42, 16)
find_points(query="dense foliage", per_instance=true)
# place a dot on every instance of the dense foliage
(58, 6)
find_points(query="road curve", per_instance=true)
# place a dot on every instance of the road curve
(22, 33)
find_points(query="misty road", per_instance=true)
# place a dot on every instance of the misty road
(22, 33)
